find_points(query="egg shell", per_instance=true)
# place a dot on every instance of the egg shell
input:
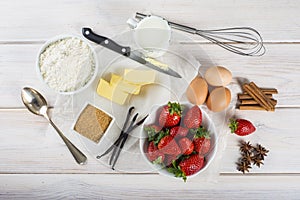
(219, 99)
(218, 76)
(197, 91)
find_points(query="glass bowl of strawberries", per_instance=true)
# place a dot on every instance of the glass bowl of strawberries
(178, 140)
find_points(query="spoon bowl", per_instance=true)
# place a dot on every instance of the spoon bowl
(37, 104)
(34, 101)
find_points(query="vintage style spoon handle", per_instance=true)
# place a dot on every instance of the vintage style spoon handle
(77, 154)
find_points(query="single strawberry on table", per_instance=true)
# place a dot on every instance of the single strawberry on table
(170, 115)
(193, 117)
(186, 146)
(178, 131)
(201, 140)
(168, 145)
(241, 127)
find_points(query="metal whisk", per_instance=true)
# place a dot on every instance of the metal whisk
(244, 41)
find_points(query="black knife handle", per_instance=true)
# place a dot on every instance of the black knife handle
(105, 42)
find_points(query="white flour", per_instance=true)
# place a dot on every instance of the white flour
(67, 64)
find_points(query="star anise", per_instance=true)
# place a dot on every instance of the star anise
(258, 162)
(245, 147)
(247, 157)
(250, 156)
(261, 151)
(243, 167)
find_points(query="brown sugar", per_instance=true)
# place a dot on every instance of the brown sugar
(92, 123)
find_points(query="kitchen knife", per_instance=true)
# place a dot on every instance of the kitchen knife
(125, 51)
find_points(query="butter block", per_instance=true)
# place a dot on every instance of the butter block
(157, 63)
(124, 86)
(141, 77)
(110, 92)
(115, 79)
(127, 87)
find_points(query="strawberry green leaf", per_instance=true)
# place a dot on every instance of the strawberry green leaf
(233, 125)
(158, 160)
(175, 169)
(151, 133)
(183, 157)
(160, 135)
(175, 108)
(200, 132)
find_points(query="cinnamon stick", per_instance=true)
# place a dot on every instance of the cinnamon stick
(268, 91)
(262, 95)
(252, 101)
(247, 96)
(258, 96)
(252, 107)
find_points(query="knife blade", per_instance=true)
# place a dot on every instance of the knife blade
(125, 51)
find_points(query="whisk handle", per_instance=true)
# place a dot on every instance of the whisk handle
(183, 27)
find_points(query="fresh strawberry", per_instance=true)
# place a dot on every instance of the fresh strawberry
(192, 164)
(168, 145)
(201, 140)
(153, 154)
(160, 135)
(202, 145)
(241, 127)
(188, 166)
(160, 157)
(186, 146)
(152, 151)
(178, 131)
(170, 115)
(193, 117)
(156, 128)
(169, 159)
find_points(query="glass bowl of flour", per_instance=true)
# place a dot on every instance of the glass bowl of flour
(67, 64)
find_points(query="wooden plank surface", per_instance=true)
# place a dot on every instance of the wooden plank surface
(35, 20)
(275, 69)
(27, 148)
(93, 186)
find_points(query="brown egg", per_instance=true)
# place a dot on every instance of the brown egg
(197, 91)
(218, 76)
(219, 99)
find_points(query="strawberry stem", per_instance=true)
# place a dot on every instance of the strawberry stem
(200, 132)
(174, 108)
(150, 132)
(155, 136)
(158, 160)
(160, 135)
(233, 125)
(175, 169)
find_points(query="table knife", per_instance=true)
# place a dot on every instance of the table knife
(125, 51)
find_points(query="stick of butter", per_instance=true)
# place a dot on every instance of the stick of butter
(111, 92)
(141, 77)
(125, 86)
(157, 63)
(115, 79)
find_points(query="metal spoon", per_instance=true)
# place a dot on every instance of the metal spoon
(37, 104)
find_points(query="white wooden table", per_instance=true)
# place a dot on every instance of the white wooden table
(31, 167)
